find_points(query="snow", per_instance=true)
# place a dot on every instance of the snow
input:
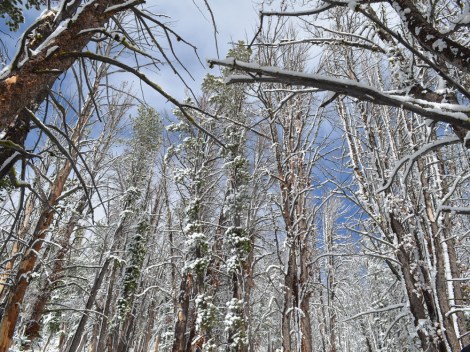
(5, 71)
(8, 160)
(454, 50)
(352, 4)
(88, 30)
(196, 238)
(265, 300)
(123, 5)
(51, 50)
(439, 45)
(413, 157)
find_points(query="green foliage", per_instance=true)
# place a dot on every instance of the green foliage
(193, 209)
(207, 313)
(198, 266)
(12, 11)
(234, 322)
(239, 239)
(53, 324)
(137, 253)
(6, 187)
(240, 51)
(130, 196)
(144, 145)
(221, 94)
(146, 129)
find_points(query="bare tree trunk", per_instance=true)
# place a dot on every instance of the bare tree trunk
(289, 285)
(94, 336)
(25, 227)
(157, 344)
(125, 333)
(107, 311)
(418, 310)
(30, 82)
(27, 263)
(179, 343)
(33, 326)
(145, 341)
(74, 344)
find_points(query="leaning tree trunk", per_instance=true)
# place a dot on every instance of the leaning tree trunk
(25, 227)
(27, 263)
(77, 337)
(33, 326)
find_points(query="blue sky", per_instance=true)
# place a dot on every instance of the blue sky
(235, 20)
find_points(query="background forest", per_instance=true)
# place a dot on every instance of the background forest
(310, 194)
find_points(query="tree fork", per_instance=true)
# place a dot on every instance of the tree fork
(26, 82)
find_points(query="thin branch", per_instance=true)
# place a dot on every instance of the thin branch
(413, 157)
(149, 82)
(378, 310)
(64, 151)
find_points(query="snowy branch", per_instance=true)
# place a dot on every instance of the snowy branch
(149, 82)
(410, 159)
(373, 311)
(455, 115)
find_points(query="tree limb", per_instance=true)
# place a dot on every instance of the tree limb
(455, 114)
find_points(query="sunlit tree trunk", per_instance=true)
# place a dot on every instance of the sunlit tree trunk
(46, 216)
(293, 131)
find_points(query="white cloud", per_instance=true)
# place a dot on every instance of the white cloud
(235, 20)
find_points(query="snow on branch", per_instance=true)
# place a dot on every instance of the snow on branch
(457, 310)
(373, 311)
(324, 41)
(456, 210)
(123, 6)
(439, 44)
(317, 10)
(332, 254)
(410, 159)
(430, 38)
(449, 209)
(314, 11)
(455, 115)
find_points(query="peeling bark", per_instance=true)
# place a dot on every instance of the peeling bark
(28, 82)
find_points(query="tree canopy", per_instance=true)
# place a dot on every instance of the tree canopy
(309, 195)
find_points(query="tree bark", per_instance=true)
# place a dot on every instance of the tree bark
(29, 79)
(107, 311)
(77, 337)
(416, 303)
(33, 326)
(25, 227)
(427, 35)
(15, 299)
(179, 343)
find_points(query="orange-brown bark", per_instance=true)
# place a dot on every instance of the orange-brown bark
(12, 308)
(29, 82)
(21, 282)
